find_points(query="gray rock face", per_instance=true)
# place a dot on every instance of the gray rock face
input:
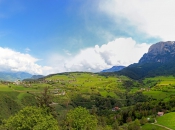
(160, 52)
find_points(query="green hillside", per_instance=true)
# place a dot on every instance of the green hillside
(141, 70)
(98, 93)
(167, 120)
(152, 127)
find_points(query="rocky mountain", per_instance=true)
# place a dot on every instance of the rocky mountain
(160, 60)
(114, 69)
(13, 76)
(160, 52)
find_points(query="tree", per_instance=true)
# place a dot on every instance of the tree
(115, 126)
(32, 118)
(129, 119)
(134, 125)
(80, 119)
(44, 101)
(143, 121)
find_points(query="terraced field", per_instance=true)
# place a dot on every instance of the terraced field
(161, 87)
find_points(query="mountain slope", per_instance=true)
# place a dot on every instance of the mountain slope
(160, 60)
(162, 52)
(12, 76)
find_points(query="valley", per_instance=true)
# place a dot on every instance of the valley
(104, 96)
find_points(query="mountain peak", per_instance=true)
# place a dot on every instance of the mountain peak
(159, 60)
(160, 52)
(161, 47)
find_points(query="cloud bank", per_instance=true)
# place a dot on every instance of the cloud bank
(11, 60)
(121, 51)
(154, 17)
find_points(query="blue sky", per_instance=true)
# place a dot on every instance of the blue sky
(61, 35)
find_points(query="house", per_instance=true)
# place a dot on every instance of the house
(115, 109)
(160, 113)
(17, 82)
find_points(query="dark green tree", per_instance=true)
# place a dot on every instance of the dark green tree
(44, 100)
(32, 118)
(80, 119)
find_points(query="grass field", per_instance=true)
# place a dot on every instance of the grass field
(88, 83)
(152, 127)
(167, 120)
(156, 94)
(161, 87)
(168, 81)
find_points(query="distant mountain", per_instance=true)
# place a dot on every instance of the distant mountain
(34, 77)
(37, 76)
(13, 76)
(114, 69)
(160, 60)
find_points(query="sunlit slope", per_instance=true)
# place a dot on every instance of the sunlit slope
(87, 83)
(167, 120)
(160, 87)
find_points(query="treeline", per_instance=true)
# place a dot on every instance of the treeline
(141, 70)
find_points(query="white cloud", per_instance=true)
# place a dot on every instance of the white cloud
(122, 51)
(155, 17)
(11, 60)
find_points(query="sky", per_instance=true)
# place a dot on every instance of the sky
(53, 36)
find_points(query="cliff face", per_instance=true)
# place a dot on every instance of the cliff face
(160, 52)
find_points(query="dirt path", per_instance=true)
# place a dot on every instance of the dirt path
(161, 125)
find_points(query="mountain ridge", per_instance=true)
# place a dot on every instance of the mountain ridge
(13, 76)
(160, 52)
(160, 60)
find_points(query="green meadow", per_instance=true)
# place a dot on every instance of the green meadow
(152, 127)
(161, 81)
(87, 83)
(167, 120)
(160, 87)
